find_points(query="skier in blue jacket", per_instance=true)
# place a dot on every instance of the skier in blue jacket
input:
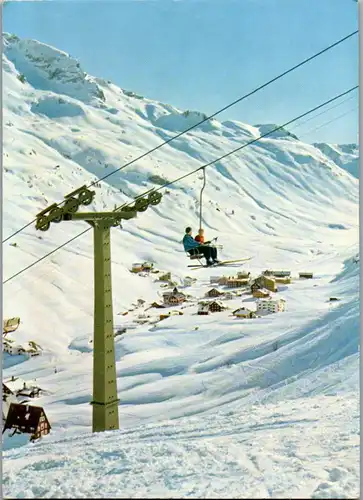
(193, 247)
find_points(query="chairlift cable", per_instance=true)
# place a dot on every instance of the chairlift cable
(207, 118)
(189, 174)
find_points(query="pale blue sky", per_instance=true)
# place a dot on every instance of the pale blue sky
(201, 55)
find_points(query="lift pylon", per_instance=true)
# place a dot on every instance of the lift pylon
(105, 400)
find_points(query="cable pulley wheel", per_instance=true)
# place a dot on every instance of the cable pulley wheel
(71, 205)
(43, 224)
(86, 197)
(141, 204)
(55, 215)
(154, 198)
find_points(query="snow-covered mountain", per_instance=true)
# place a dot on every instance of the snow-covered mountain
(344, 155)
(288, 204)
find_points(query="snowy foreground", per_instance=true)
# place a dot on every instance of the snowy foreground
(307, 448)
(210, 406)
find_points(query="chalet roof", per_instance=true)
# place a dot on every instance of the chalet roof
(157, 305)
(175, 294)
(26, 416)
(18, 384)
(219, 302)
(10, 324)
(262, 278)
(6, 389)
(243, 309)
(29, 391)
(272, 300)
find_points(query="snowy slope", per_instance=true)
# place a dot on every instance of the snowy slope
(254, 453)
(288, 204)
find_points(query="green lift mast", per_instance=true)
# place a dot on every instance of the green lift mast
(105, 400)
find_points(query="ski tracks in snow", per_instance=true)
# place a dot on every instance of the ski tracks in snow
(223, 456)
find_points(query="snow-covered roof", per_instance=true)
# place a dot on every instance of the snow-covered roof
(18, 383)
(271, 300)
(219, 302)
(242, 310)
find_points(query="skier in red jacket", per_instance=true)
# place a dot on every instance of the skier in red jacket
(200, 236)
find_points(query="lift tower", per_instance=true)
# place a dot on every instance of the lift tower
(105, 400)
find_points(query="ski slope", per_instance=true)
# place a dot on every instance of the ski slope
(209, 405)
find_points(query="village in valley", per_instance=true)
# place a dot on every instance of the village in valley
(244, 296)
(220, 293)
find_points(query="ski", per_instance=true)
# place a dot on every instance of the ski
(223, 263)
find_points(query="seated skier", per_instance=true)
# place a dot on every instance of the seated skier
(193, 247)
(200, 237)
